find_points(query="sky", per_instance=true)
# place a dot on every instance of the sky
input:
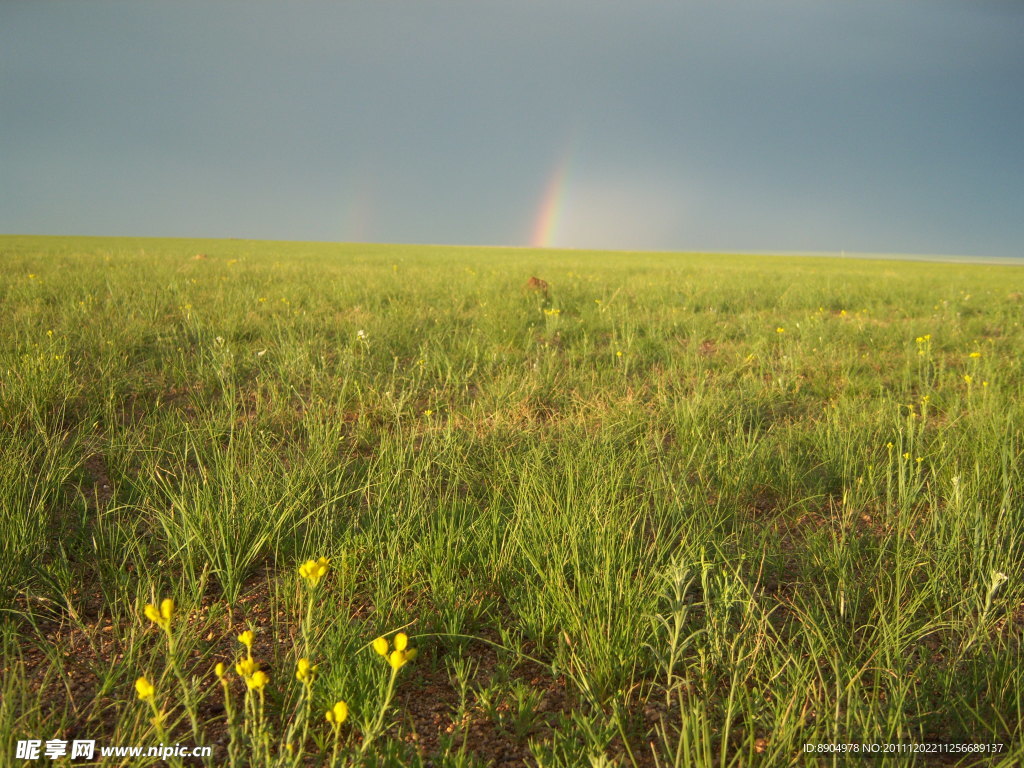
(793, 125)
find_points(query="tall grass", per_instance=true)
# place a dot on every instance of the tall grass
(688, 510)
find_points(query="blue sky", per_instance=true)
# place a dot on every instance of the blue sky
(875, 125)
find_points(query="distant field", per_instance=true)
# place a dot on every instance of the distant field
(684, 510)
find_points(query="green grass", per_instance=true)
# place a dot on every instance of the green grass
(688, 510)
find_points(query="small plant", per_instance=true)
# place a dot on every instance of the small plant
(163, 618)
(396, 657)
(520, 717)
(462, 669)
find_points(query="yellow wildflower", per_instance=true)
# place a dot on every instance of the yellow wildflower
(401, 641)
(246, 639)
(399, 659)
(780, 329)
(247, 667)
(967, 378)
(145, 689)
(258, 679)
(975, 354)
(337, 714)
(220, 671)
(396, 660)
(160, 616)
(304, 671)
(314, 570)
(380, 645)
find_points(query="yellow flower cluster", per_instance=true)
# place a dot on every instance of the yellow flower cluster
(314, 570)
(248, 668)
(145, 689)
(304, 671)
(337, 714)
(257, 680)
(397, 653)
(160, 616)
(400, 656)
(246, 639)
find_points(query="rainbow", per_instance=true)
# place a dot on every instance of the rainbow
(358, 217)
(545, 228)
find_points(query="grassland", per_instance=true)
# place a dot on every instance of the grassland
(687, 510)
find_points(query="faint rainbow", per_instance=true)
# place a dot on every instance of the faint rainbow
(357, 207)
(545, 228)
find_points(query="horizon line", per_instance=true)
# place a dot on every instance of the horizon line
(841, 253)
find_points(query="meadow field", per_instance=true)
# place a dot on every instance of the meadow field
(683, 510)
